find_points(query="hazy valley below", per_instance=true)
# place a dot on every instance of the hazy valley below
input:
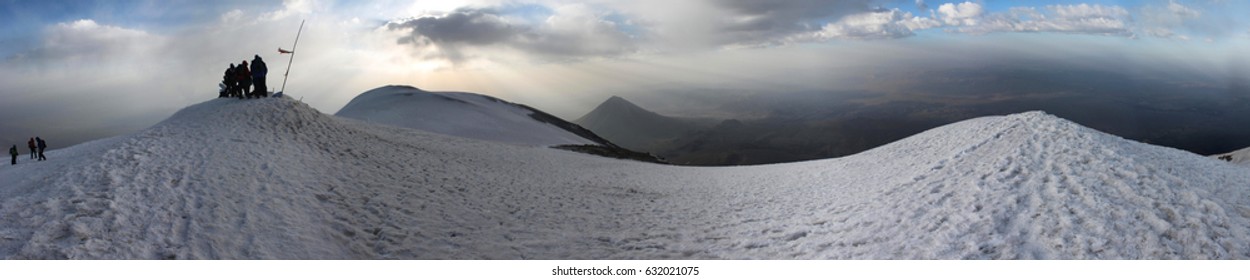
(1179, 112)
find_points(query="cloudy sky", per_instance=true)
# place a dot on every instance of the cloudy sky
(78, 70)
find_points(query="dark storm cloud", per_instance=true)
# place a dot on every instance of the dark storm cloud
(569, 33)
(464, 26)
(764, 21)
(789, 10)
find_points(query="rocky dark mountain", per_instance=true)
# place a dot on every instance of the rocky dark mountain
(633, 127)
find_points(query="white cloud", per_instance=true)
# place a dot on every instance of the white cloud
(962, 14)
(1085, 18)
(971, 17)
(917, 23)
(291, 8)
(232, 16)
(1163, 21)
(1087, 11)
(883, 24)
(85, 40)
(579, 30)
(1081, 18)
(1182, 11)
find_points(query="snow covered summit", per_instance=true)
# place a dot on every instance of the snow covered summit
(275, 179)
(466, 115)
(1033, 185)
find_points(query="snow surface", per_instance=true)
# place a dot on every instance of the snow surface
(457, 113)
(1241, 157)
(275, 179)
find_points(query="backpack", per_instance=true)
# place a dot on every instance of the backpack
(243, 76)
(229, 76)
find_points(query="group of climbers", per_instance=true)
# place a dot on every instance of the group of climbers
(244, 81)
(36, 145)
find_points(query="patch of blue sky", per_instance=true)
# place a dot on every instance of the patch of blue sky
(33, 16)
(530, 13)
(624, 24)
(911, 7)
(1003, 6)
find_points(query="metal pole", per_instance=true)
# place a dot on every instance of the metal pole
(288, 62)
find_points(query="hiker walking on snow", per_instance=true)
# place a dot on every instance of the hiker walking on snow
(32, 146)
(230, 81)
(13, 153)
(258, 77)
(42, 146)
(245, 79)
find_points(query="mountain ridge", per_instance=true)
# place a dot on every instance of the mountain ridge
(275, 179)
(467, 115)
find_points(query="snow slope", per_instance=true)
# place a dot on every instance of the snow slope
(275, 179)
(465, 114)
(1241, 157)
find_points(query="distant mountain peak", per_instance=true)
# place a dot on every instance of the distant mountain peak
(616, 107)
(619, 103)
(629, 125)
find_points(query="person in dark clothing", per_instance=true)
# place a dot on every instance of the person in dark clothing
(229, 80)
(245, 80)
(258, 77)
(13, 153)
(42, 146)
(32, 146)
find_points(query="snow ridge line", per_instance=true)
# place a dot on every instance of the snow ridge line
(1016, 187)
(70, 225)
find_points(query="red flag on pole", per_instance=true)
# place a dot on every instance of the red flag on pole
(280, 50)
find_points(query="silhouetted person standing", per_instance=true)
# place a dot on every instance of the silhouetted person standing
(258, 77)
(31, 144)
(229, 79)
(42, 146)
(13, 153)
(245, 80)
